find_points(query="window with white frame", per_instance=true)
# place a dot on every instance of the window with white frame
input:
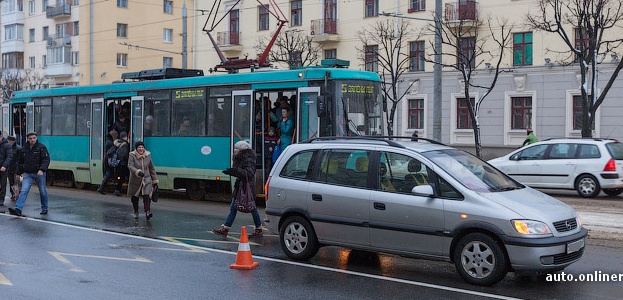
(31, 7)
(122, 30)
(521, 112)
(167, 35)
(167, 62)
(122, 59)
(12, 6)
(14, 32)
(168, 7)
(75, 58)
(578, 120)
(44, 61)
(58, 55)
(330, 53)
(463, 119)
(76, 27)
(416, 114)
(416, 56)
(44, 5)
(31, 35)
(32, 62)
(46, 32)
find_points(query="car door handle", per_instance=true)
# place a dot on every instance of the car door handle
(379, 206)
(316, 197)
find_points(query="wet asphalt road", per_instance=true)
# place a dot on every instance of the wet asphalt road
(181, 259)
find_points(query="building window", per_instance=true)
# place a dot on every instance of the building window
(13, 60)
(46, 32)
(416, 56)
(31, 35)
(31, 7)
(122, 30)
(32, 62)
(234, 27)
(577, 113)
(167, 62)
(44, 61)
(330, 54)
(463, 120)
(44, 3)
(263, 17)
(371, 58)
(465, 55)
(581, 41)
(416, 114)
(167, 35)
(522, 49)
(372, 8)
(58, 55)
(417, 5)
(14, 32)
(76, 28)
(122, 59)
(168, 7)
(521, 112)
(296, 13)
(122, 3)
(75, 58)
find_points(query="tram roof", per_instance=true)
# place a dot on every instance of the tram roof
(277, 76)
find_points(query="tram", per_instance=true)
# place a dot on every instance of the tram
(217, 111)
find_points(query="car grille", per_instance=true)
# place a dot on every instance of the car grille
(564, 258)
(566, 225)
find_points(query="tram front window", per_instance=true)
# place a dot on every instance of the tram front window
(358, 108)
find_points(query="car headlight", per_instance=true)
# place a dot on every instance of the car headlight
(530, 227)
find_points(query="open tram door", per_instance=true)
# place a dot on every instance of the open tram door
(6, 117)
(241, 122)
(309, 106)
(96, 140)
(136, 121)
(30, 119)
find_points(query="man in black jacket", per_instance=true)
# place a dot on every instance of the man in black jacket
(6, 155)
(34, 160)
(13, 183)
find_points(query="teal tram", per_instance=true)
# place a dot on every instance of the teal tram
(222, 109)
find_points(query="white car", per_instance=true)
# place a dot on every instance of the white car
(588, 165)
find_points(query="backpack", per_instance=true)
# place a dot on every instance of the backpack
(113, 160)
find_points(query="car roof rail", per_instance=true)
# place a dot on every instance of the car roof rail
(379, 138)
(580, 138)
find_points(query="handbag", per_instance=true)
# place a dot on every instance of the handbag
(154, 193)
(245, 198)
(276, 152)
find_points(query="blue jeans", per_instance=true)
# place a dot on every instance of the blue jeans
(232, 215)
(26, 184)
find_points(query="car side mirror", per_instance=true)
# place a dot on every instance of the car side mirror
(423, 190)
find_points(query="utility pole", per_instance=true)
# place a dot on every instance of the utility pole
(184, 36)
(437, 79)
(91, 42)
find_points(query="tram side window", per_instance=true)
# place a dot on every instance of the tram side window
(189, 112)
(83, 115)
(43, 116)
(219, 112)
(64, 115)
(157, 113)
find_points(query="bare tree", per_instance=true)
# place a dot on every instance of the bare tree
(34, 80)
(466, 48)
(10, 80)
(590, 22)
(292, 47)
(392, 56)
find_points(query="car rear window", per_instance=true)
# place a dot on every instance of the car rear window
(615, 149)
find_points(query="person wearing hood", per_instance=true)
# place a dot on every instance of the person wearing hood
(143, 178)
(244, 170)
(530, 139)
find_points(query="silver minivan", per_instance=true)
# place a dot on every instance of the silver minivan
(418, 199)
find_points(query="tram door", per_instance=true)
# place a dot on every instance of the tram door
(137, 120)
(308, 121)
(241, 119)
(30, 117)
(96, 140)
(6, 117)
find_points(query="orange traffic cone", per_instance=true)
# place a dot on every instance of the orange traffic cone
(244, 260)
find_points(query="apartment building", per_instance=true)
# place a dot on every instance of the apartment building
(80, 42)
(535, 91)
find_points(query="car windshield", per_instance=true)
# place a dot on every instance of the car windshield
(472, 172)
(616, 150)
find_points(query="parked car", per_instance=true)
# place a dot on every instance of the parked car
(587, 165)
(417, 199)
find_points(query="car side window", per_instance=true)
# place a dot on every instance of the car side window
(344, 167)
(534, 152)
(299, 166)
(563, 151)
(400, 173)
(589, 151)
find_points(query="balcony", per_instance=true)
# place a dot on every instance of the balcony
(57, 41)
(228, 41)
(63, 69)
(60, 11)
(462, 11)
(324, 30)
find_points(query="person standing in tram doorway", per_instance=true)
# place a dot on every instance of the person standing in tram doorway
(34, 162)
(6, 156)
(143, 178)
(286, 128)
(122, 168)
(109, 151)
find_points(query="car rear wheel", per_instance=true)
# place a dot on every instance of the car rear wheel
(613, 192)
(298, 239)
(587, 186)
(480, 260)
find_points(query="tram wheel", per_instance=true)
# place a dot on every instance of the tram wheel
(195, 190)
(81, 185)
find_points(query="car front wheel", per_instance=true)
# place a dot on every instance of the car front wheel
(587, 186)
(480, 260)
(613, 192)
(298, 239)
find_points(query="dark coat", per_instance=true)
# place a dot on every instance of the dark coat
(17, 153)
(6, 154)
(244, 169)
(138, 185)
(34, 158)
(124, 151)
(109, 144)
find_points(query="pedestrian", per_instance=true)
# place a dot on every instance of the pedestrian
(286, 128)
(13, 178)
(530, 139)
(122, 168)
(143, 178)
(244, 170)
(34, 160)
(123, 124)
(6, 156)
(109, 151)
